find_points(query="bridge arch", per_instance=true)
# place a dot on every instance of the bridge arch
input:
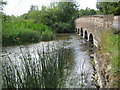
(81, 31)
(78, 31)
(86, 35)
(91, 38)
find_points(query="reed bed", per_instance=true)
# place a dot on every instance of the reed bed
(25, 31)
(45, 70)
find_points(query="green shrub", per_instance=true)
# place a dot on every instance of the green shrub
(113, 49)
(109, 44)
(112, 43)
(29, 36)
(26, 31)
(47, 35)
(64, 27)
(19, 36)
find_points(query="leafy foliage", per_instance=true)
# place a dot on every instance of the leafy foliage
(39, 25)
(87, 12)
(109, 44)
(47, 35)
(108, 8)
(33, 8)
(57, 13)
(23, 31)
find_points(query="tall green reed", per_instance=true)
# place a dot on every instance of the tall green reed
(25, 31)
(44, 70)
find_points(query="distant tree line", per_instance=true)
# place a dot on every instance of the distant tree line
(103, 8)
(86, 12)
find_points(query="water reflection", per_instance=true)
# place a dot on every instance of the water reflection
(81, 74)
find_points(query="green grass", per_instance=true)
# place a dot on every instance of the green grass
(114, 52)
(113, 48)
(15, 33)
(47, 35)
(110, 45)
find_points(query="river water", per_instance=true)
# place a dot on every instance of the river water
(80, 72)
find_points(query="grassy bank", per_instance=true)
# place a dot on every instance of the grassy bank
(109, 45)
(25, 31)
(114, 52)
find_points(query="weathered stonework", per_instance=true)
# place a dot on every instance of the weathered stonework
(94, 25)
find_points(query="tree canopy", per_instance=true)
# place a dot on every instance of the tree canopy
(59, 16)
(108, 8)
(87, 12)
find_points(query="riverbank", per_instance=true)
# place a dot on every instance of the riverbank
(57, 36)
(107, 60)
(25, 31)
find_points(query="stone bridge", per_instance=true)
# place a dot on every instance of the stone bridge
(90, 27)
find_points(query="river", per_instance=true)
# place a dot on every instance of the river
(80, 72)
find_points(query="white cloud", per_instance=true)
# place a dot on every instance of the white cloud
(19, 7)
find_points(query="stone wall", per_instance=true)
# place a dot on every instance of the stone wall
(94, 25)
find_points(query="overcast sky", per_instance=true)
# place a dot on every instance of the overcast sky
(19, 7)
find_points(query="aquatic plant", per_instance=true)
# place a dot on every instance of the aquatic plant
(44, 70)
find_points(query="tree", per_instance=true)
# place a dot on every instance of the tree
(108, 7)
(1, 4)
(68, 10)
(66, 13)
(33, 8)
(92, 12)
(59, 16)
(87, 12)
